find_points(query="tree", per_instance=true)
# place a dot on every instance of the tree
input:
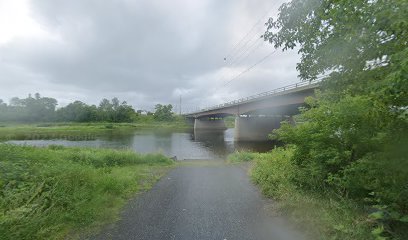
(353, 130)
(124, 112)
(340, 33)
(15, 101)
(116, 103)
(77, 112)
(39, 109)
(114, 111)
(3, 108)
(105, 110)
(163, 112)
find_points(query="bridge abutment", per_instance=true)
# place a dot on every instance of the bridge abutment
(209, 124)
(255, 128)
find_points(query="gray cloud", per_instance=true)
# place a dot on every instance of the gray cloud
(144, 52)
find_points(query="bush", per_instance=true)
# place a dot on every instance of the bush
(354, 147)
(241, 156)
(324, 215)
(274, 172)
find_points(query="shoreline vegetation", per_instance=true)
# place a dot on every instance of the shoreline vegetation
(344, 167)
(78, 131)
(321, 213)
(37, 117)
(60, 192)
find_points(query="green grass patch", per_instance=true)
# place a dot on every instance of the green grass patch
(242, 156)
(77, 131)
(55, 192)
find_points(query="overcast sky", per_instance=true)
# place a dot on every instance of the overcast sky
(141, 51)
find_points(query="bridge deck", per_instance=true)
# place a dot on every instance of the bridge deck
(293, 88)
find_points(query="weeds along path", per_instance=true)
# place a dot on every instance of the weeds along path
(200, 200)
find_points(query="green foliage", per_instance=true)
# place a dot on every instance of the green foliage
(324, 215)
(43, 109)
(163, 112)
(114, 111)
(47, 193)
(346, 36)
(351, 137)
(82, 131)
(274, 171)
(241, 156)
(77, 112)
(28, 109)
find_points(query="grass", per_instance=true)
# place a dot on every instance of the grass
(76, 131)
(58, 192)
(323, 215)
(241, 156)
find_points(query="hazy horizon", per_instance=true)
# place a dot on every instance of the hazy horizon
(143, 52)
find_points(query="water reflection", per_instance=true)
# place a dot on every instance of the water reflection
(213, 140)
(182, 144)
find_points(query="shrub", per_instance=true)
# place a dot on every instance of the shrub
(241, 156)
(355, 147)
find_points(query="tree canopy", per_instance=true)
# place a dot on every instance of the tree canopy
(352, 136)
(163, 112)
(43, 109)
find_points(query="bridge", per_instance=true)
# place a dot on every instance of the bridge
(257, 115)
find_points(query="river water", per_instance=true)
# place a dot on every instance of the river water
(182, 144)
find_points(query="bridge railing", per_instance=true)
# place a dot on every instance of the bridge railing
(260, 95)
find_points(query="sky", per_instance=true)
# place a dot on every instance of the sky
(144, 52)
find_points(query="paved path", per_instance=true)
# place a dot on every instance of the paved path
(200, 201)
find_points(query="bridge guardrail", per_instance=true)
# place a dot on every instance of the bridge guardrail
(259, 95)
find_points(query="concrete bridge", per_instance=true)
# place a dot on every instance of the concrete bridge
(255, 116)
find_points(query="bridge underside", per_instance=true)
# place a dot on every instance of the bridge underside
(255, 125)
(209, 124)
(287, 110)
(256, 128)
(254, 120)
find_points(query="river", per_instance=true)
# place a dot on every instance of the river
(182, 144)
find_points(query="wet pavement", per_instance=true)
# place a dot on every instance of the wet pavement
(201, 201)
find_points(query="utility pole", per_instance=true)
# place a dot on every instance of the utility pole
(180, 106)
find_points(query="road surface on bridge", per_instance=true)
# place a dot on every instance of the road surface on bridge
(200, 200)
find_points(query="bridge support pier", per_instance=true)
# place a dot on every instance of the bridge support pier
(254, 128)
(209, 124)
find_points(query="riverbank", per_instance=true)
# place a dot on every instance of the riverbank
(323, 215)
(55, 192)
(76, 131)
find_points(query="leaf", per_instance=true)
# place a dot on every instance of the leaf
(404, 219)
(377, 231)
(377, 215)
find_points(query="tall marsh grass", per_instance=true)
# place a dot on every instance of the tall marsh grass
(50, 193)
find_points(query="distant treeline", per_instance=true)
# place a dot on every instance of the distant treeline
(44, 109)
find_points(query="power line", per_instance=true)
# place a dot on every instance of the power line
(242, 52)
(246, 53)
(240, 59)
(243, 55)
(239, 54)
(249, 68)
(237, 44)
(244, 47)
(251, 29)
